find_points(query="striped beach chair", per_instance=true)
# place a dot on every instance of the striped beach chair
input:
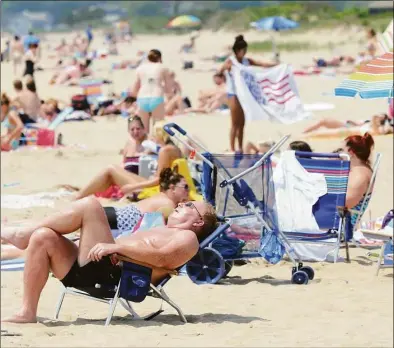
(92, 88)
(329, 211)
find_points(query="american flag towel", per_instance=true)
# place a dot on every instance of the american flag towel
(268, 94)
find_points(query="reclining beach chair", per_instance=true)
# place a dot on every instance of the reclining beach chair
(134, 286)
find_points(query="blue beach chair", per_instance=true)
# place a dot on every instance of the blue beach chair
(135, 282)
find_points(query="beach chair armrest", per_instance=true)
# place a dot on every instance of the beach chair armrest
(127, 259)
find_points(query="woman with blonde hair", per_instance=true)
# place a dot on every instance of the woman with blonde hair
(130, 182)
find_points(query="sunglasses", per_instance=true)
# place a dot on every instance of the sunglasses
(191, 205)
(186, 186)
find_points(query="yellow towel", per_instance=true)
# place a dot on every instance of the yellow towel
(183, 169)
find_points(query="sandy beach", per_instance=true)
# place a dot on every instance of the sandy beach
(345, 305)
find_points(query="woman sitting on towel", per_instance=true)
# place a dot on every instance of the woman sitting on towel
(129, 182)
(379, 124)
(237, 115)
(11, 121)
(122, 220)
(175, 102)
(212, 100)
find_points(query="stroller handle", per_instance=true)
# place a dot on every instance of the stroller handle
(168, 128)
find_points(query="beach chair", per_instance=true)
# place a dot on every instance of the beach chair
(329, 211)
(183, 169)
(135, 286)
(92, 88)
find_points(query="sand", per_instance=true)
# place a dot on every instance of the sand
(346, 305)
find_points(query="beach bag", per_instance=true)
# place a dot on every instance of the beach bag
(272, 248)
(80, 102)
(228, 247)
(135, 282)
(188, 65)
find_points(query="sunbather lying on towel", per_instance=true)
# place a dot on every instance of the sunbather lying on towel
(333, 62)
(94, 260)
(71, 74)
(378, 124)
(125, 107)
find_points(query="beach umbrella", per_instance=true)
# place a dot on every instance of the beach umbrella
(386, 39)
(185, 21)
(372, 80)
(276, 23)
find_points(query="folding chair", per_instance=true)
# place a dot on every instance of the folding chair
(134, 286)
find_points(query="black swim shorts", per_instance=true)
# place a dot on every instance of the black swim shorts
(101, 272)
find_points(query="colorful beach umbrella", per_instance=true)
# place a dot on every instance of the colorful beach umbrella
(185, 21)
(373, 80)
(386, 39)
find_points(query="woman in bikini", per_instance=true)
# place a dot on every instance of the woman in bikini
(130, 182)
(378, 125)
(150, 88)
(11, 121)
(237, 115)
(121, 220)
(133, 148)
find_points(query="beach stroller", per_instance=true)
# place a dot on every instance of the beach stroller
(248, 204)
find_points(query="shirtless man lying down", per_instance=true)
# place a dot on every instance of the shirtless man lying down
(90, 263)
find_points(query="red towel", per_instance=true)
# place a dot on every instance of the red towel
(112, 192)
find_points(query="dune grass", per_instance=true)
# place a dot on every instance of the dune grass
(266, 46)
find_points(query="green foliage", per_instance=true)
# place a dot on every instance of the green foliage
(266, 46)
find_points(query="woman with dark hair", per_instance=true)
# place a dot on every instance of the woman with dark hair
(151, 86)
(299, 145)
(122, 220)
(31, 58)
(237, 115)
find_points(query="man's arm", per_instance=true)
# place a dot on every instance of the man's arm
(173, 254)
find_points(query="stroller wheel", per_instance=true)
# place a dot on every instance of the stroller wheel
(309, 271)
(207, 267)
(228, 265)
(300, 278)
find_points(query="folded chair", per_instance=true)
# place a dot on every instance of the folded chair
(134, 286)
